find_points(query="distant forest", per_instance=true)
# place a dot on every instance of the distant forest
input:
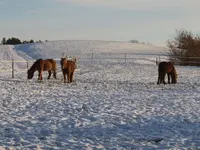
(15, 41)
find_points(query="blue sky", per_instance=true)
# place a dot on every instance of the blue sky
(153, 21)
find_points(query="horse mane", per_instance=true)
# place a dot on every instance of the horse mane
(51, 60)
(33, 67)
(176, 75)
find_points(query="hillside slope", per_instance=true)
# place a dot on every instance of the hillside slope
(78, 48)
(7, 54)
(55, 49)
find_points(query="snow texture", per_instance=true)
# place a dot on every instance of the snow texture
(112, 104)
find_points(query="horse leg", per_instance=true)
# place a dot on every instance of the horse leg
(49, 74)
(41, 69)
(54, 74)
(64, 75)
(40, 75)
(168, 75)
(173, 81)
(68, 76)
(173, 78)
(163, 78)
(71, 76)
(158, 82)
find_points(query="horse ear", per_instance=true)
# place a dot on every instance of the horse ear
(66, 56)
(63, 55)
(74, 58)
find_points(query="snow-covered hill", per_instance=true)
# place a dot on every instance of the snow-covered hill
(55, 49)
(7, 54)
(78, 48)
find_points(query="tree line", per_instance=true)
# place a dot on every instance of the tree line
(15, 41)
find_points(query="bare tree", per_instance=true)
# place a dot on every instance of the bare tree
(185, 48)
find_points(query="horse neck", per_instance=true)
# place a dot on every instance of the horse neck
(34, 66)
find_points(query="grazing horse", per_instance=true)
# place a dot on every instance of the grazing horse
(169, 69)
(41, 65)
(68, 67)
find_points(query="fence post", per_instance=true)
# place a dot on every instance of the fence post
(27, 65)
(159, 58)
(92, 55)
(12, 69)
(125, 57)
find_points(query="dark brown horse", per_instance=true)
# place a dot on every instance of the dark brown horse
(169, 69)
(41, 65)
(68, 67)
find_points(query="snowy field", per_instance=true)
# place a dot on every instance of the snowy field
(112, 104)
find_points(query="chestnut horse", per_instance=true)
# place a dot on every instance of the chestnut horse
(169, 69)
(68, 67)
(41, 65)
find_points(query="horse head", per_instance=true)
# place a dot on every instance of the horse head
(30, 74)
(63, 62)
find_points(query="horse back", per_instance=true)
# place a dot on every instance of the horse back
(162, 66)
(169, 67)
(71, 65)
(52, 63)
(166, 67)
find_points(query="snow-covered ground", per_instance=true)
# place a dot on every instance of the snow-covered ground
(112, 104)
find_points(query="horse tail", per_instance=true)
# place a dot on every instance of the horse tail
(174, 76)
(74, 59)
(53, 62)
(54, 67)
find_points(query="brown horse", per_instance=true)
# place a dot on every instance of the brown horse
(68, 67)
(41, 65)
(169, 69)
